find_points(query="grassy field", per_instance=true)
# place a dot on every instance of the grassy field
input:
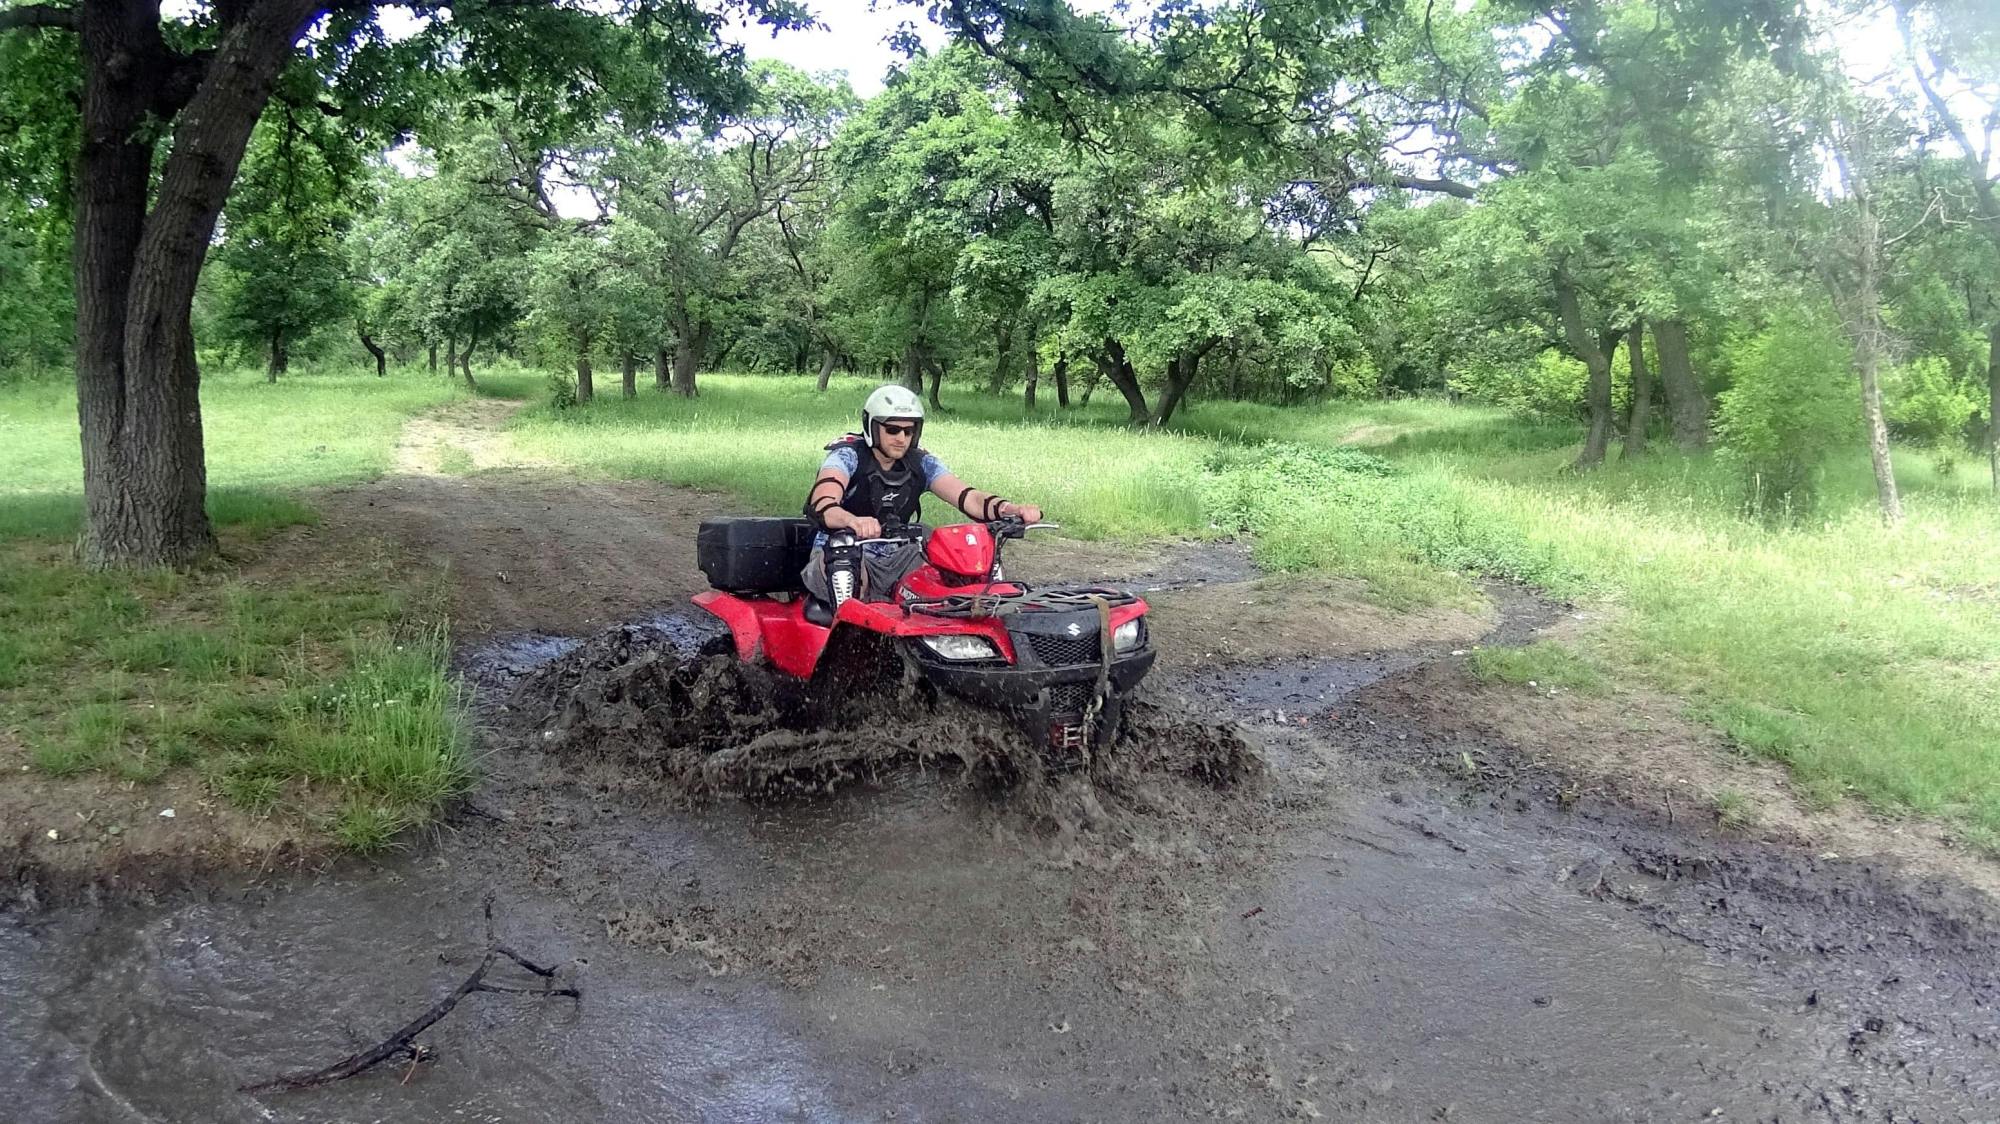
(318, 692)
(264, 440)
(1864, 659)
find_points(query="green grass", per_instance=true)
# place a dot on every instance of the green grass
(1733, 810)
(311, 691)
(1542, 665)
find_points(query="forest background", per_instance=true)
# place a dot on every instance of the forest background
(1689, 306)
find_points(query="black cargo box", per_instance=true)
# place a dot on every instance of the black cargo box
(753, 554)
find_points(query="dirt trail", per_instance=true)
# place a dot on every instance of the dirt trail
(526, 549)
(1423, 907)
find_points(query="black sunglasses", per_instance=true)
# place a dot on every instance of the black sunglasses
(897, 430)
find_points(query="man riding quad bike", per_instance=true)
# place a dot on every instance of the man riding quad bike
(1061, 661)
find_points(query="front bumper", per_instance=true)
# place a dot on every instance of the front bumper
(1012, 687)
(1048, 702)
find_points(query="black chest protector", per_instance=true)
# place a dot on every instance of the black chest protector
(874, 492)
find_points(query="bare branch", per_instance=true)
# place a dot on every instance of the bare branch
(1421, 183)
(1974, 158)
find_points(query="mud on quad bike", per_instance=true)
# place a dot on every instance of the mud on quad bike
(1059, 661)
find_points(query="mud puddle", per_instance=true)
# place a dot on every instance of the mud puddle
(1353, 932)
(1289, 690)
(902, 953)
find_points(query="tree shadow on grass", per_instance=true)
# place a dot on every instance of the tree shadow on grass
(59, 515)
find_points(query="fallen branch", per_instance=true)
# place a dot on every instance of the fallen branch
(402, 1042)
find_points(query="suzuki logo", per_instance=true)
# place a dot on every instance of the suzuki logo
(1074, 630)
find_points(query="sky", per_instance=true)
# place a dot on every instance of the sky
(853, 39)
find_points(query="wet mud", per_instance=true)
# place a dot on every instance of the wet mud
(882, 911)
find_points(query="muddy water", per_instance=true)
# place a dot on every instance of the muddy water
(1329, 942)
(1380, 972)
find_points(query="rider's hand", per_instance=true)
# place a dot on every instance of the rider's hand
(1025, 512)
(864, 527)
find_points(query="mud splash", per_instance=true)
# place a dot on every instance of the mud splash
(644, 698)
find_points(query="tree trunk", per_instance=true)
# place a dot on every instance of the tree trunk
(143, 475)
(663, 366)
(586, 385)
(1062, 382)
(1180, 375)
(936, 369)
(138, 388)
(689, 347)
(1642, 392)
(913, 367)
(434, 357)
(451, 355)
(1117, 368)
(1587, 348)
(1868, 360)
(1855, 160)
(1034, 375)
(465, 361)
(1868, 354)
(1993, 402)
(381, 357)
(1687, 406)
(826, 368)
(631, 374)
(1002, 347)
(281, 360)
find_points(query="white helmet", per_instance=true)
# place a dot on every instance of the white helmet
(887, 403)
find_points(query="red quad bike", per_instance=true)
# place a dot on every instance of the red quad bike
(1061, 661)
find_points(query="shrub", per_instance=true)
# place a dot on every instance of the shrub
(562, 392)
(1925, 403)
(1791, 404)
(1551, 386)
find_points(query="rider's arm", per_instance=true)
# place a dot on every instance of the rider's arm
(977, 504)
(824, 500)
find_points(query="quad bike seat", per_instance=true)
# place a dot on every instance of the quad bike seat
(818, 612)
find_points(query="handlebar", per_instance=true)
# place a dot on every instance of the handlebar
(1012, 528)
(1004, 528)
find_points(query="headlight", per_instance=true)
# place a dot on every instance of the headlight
(962, 647)
(1128, 636)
